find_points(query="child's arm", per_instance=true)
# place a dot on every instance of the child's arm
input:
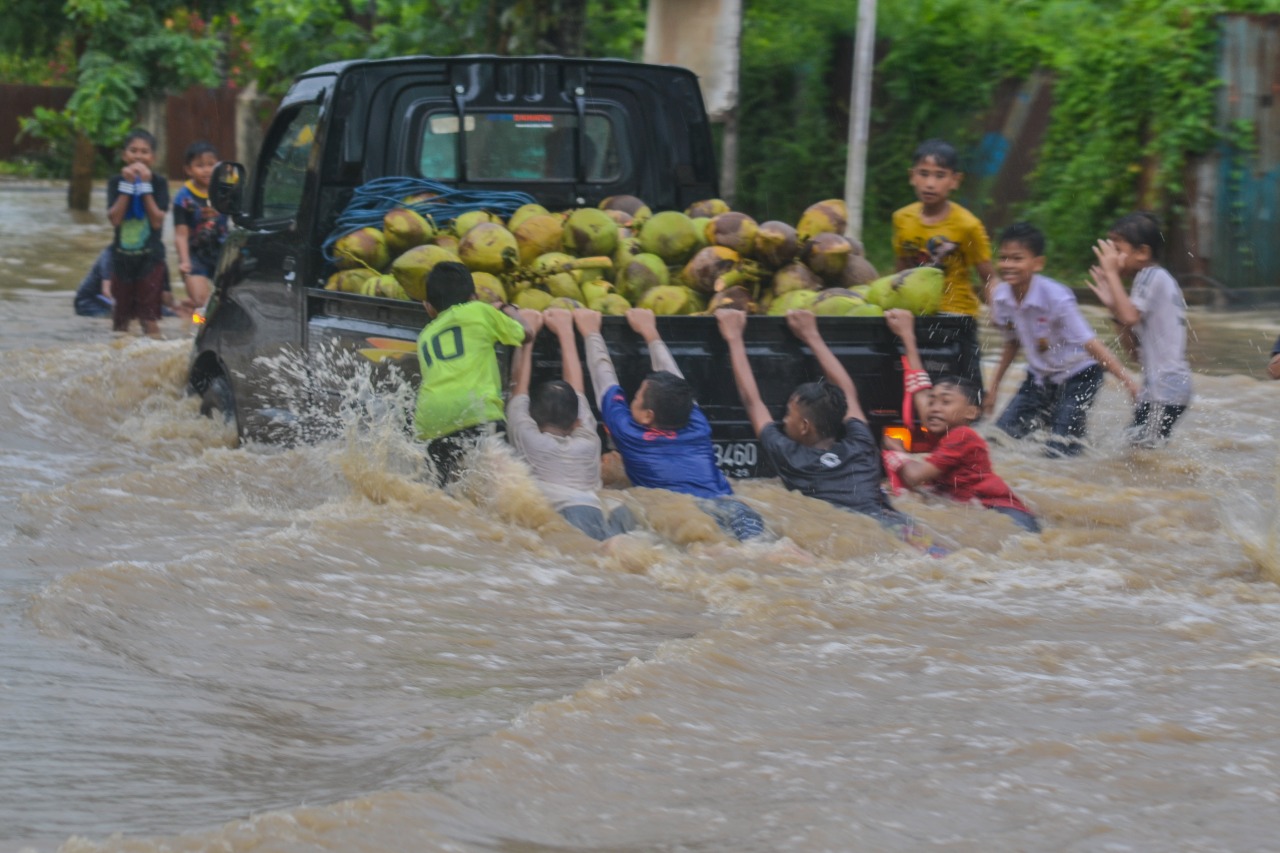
(182, 242)
(155, 213)
(643, 324)
(560, 321)
(1007, 355)
(599, 364)
(911, 470)
(124, 195)
(804, 325)
(903, 324)
(1108, 360)
(522, 370)
(732, 322)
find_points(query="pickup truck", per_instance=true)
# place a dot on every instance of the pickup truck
(569, 132)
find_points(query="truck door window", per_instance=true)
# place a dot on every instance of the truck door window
(285, 167)
(519, 147)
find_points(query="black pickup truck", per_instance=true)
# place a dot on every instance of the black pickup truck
(605, 127)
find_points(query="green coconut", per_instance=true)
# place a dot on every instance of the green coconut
(797, 299)
(708, 208)
(671, 299)
(524, 212)
(404, 229)
(488, 247)
(825, 217)
(642, 273)
(532, 298)
(735, 230)
(538, 234)
(918, 290)
(466, 221)
(827, 254)
(671, 236)
(489, 287)
(366, 247)
(412, 268)
(589, 232)
(795, 276)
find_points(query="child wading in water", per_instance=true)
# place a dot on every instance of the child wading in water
(959, 466)
(137, 199)
(1152, 320)
(1065, 360)
(198, 229)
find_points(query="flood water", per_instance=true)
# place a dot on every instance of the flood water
(211, 647)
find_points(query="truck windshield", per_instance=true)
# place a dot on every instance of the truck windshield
(507, 146)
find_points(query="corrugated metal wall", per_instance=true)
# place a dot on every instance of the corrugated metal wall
(1245, 229)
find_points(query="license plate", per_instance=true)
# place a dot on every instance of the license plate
(738, 459)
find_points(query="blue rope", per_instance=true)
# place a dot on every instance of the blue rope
(373, 200)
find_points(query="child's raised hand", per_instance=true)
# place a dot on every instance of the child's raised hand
(1110, 259)
(889, 443)
(731, 322)
(534, 319)
(642, 322)
(558, 320)
(901, 322)
(1100, 286)
(802, 324)
(587, 321)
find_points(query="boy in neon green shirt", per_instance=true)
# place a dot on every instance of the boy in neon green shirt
(460, 395)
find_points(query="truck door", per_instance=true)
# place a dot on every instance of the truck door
(257, 309)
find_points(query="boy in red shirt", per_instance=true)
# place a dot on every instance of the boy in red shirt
(960, 464)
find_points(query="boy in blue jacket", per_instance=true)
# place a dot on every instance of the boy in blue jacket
(664, 438)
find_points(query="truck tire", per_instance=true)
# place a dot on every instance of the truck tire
(217, 398)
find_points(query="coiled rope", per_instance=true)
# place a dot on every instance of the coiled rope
(374, 199)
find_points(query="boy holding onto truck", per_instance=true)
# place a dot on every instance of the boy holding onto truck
(936, 230)
(137, 199)
(958, 466)
(823, 446)
(553, 429)
(662, 435)
(1153, 322)
(1065, 360)
(460, 395)
(198, 229)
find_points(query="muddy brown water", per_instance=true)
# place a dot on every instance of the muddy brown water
(210, 647)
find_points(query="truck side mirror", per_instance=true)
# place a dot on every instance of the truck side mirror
(226, 189)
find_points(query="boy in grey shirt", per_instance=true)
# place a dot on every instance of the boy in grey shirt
(553, 430)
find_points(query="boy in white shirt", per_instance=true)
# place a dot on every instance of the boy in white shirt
(1065, 360)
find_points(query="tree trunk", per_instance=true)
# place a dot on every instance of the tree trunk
(564, 26)
(81, 188)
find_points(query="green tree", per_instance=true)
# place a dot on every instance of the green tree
(125, 50)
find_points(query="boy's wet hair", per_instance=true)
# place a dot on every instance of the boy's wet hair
(940, 151)
(1026, 235)
(554, 403)
(197, 149)
(670, 398)
(448, 284)
(139, 133)
(825, 406)
(969, 389)
(1141, 228)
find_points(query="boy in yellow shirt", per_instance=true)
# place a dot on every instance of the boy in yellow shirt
(936, 230)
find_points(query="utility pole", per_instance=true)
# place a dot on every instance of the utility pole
(855, 180)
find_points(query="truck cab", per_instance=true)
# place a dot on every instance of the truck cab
(569, 133)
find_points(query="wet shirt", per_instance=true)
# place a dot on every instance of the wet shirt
(911, 237)
(567, 467)
(682, 460)
(461, 385)
(137, 244)
(1049, 327)
(207, 228)
(1162, 337)
(964, 460)
(846, 474)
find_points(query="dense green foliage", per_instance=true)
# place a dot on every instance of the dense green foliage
(1133, 81)
(1134, 98)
